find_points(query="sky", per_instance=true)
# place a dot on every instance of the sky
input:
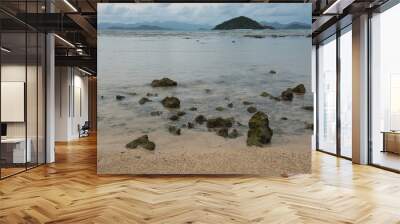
(202, 13)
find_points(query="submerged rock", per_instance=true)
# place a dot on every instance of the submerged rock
(144, 100)
(171, 102)
(264, 94)
(258, 36)
(233, 134)
(309, 108)
(174, 130)
(259, 132)
(151, 94)
(230, 105)
(247, 103)
(155, 113)
(164, 82)
(143, 142)
(193, 108)
(119, 97)
(299, 89)
(223, 132)
(275, 98)
(219, 109)
(174, 117)
(220, 122)
(200, 119)
(284, 118)
(272, 72)
(207, 90)
(287, 95)
(181, 113)
(132, 94)
(252, 110)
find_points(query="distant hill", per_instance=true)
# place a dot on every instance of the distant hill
(141, 27)
(240, 22)
(168, 25)
(281, 26)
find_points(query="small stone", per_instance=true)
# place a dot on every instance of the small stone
(119, 97)
(252, 110)
(200, 119)
(284, 118)
(151, 94)
(309, 108)
(272, 72)
(174, 130)
(181, 113)
(190, 125)
(174, 117)
(207, 90)
(264, 94)
(144, 100)
(247, 103)
(233, 134)
(171, 102)
(193, 108)
(223, 132)
(230, 105)
(309, 126)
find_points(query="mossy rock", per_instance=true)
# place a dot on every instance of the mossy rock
(144, 100)
(299, 89)
(219, 109)
(164, 82)
(143, 142)
(171, 102)
(264, 94)
(287, 95)
(220, 122)
(259, 132)
(252, 110)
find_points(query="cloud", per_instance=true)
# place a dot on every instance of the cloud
(202, 13)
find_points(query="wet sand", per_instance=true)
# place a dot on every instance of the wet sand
(196, 152)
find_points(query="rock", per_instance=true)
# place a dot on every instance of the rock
(200, 119)
(264, 94)
(207, 90)
(219, 122)
(252, 110)
(287, 95)
(309, 126)
(230, 105)
(174, 130)
(272, 72)
(193, 108)
(254, 36)
(151, 94)
(164, 82)
(259, 132)
(284, 118)
(181, 113)
(309, 108)
(102, 97)
(119, 97)
(219, 109)
(155, 113)
(299, 89)
(247, 103)
(233, 134)
(143, 142)
(171, 102)
(144, 100)
(223, 132)
(174, 117)
(226, 98)
(190, 125)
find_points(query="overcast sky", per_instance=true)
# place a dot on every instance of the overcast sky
(202, 13)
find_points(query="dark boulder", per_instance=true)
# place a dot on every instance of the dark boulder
(151, 94)
(230, 105)
(164, 82)
(252, 110)
(272, 72)
(174, 130)
(287, 95)
(144, 100)
(259, 132)
(193, 108)
(143, 142)
(220, 122)
(200, 119)
(299, 89)
(171, 102)
(119, 97)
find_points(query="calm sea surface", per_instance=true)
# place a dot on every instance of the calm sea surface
(233, 67)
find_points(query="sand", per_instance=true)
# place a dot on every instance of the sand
(196, 152)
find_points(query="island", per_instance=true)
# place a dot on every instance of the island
(240, 22)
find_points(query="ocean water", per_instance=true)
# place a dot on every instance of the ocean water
(234, 68)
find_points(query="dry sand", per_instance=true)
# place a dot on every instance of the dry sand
(196, 152)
